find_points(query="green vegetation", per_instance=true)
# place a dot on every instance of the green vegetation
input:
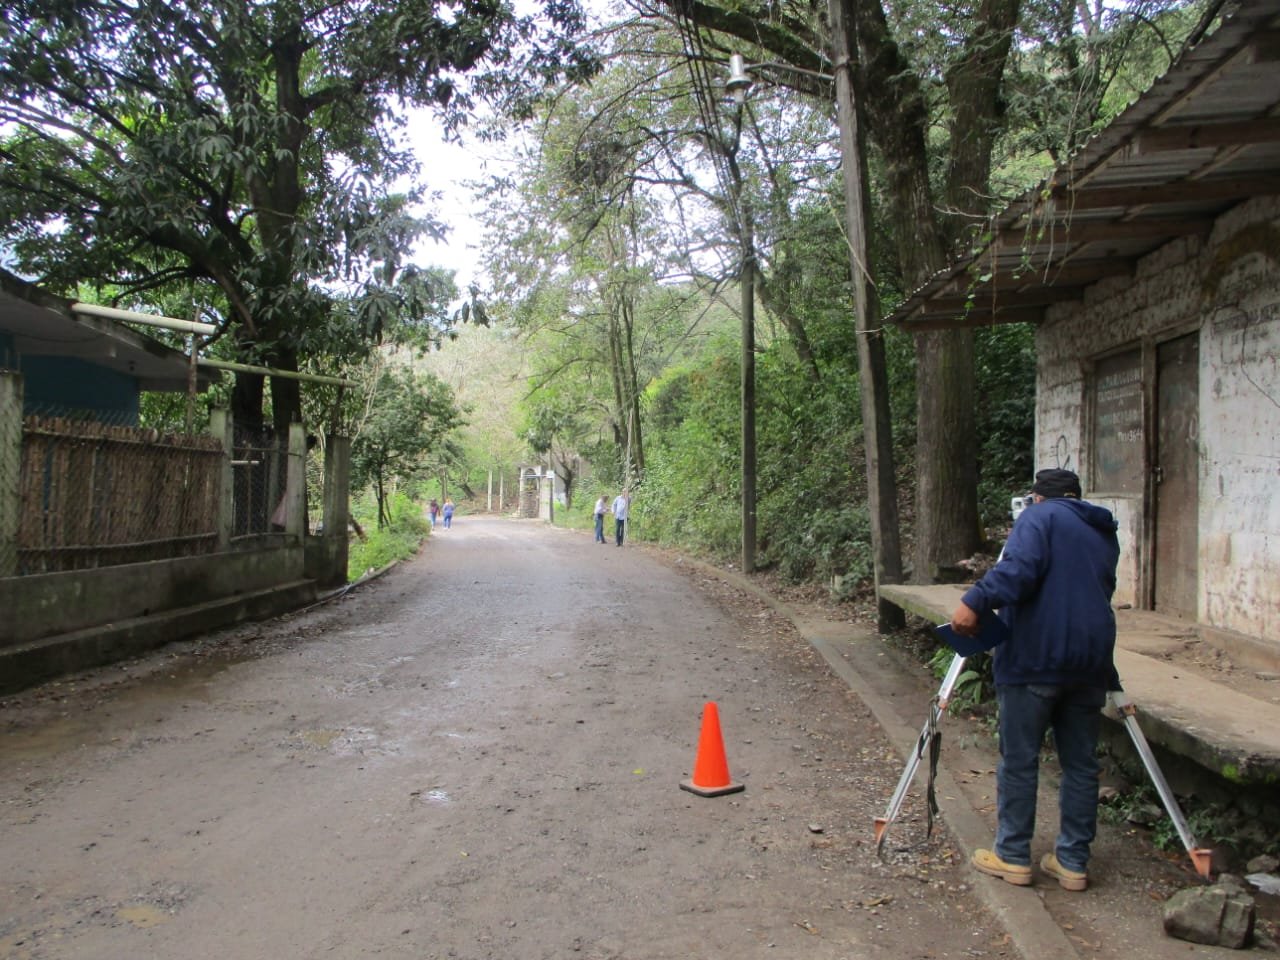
(411, 417)
(974, 689)
(1227, 826)
(400, 537)
(245, 163)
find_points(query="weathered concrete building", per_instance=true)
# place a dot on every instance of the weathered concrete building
(1150, 266)
(1163, 390)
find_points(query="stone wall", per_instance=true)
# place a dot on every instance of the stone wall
(1226, 287)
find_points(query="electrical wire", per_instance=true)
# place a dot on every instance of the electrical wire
(703, 85)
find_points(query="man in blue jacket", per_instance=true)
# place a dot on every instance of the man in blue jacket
(1053, 587)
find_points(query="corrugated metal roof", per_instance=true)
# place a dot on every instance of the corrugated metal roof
(1203, 139)
(42, 325)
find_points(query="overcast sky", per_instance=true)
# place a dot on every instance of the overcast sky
(444, 168)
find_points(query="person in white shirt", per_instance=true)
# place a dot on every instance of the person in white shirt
(602, 505)
(620, 505)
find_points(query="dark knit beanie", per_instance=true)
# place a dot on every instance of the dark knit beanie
(1057, 483)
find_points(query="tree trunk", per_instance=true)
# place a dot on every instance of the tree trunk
(619, 303)
(246, 399)
(635, 441)
(775, 294)
(977, 109)
(947, 528)
(286, 393)
(946, 524)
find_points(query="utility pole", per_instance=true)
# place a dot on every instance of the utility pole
(747, 281)
(872, 369)
(738, 86)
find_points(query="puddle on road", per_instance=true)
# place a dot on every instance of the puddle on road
(359, 742)
(436, 796)
(142, 916)
(320, 738)
(108, 707)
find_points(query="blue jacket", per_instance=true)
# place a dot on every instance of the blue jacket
(1053, 587)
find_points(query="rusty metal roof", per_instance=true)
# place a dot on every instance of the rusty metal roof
(1203, 139)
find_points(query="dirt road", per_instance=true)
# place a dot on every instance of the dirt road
(476, 755)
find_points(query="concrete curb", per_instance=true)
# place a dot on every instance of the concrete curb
(29, 664)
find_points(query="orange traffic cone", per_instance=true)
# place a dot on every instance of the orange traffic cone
(711, 769)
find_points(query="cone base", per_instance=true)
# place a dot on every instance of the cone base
(730, 787)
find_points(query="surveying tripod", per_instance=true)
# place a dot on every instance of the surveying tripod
(930, 741)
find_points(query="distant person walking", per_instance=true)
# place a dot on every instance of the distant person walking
(447, 510)
(1053, 587)
(621, 504)
(433, 510)
(602, 507)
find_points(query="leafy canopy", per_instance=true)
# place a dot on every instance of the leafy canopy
(253, 148)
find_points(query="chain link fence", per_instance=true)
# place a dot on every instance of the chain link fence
(92, 492)
(88, 488)
(258, 464)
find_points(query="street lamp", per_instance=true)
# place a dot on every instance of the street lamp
(739, 83)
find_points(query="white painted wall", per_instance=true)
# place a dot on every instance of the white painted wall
(1228, 288)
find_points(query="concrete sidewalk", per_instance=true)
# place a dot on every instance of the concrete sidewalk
(1231, 729)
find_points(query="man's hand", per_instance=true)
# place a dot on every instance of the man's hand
(964, 621)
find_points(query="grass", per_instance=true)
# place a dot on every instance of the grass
(408, 529)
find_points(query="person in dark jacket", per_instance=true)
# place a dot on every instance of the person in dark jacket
(1053, 587)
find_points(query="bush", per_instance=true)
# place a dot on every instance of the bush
(399, 539)
(836, 541)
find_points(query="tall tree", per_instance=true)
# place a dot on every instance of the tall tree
(921, 66)
(628, 175)
(555, 428)
(250, 145)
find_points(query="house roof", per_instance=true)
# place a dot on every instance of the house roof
(42, 324)
(1203, 139)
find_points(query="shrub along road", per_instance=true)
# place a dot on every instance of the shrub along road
(478, 756)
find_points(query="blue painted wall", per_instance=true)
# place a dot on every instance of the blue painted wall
(69, 386)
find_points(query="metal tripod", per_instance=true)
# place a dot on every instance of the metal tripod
(930, 740)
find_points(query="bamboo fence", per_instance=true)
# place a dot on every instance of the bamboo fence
(95, 494)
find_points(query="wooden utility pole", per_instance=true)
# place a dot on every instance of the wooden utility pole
(873, 377)
(738, 86)
(746, 280)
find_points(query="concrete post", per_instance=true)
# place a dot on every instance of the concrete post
(220, 426)
(295, 483)
(337, 486)
(10, 469)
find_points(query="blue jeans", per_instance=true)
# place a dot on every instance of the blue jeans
(619, 530)
(1026, 713)
(599, 528)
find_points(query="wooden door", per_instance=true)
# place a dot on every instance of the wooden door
(1177, 469)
